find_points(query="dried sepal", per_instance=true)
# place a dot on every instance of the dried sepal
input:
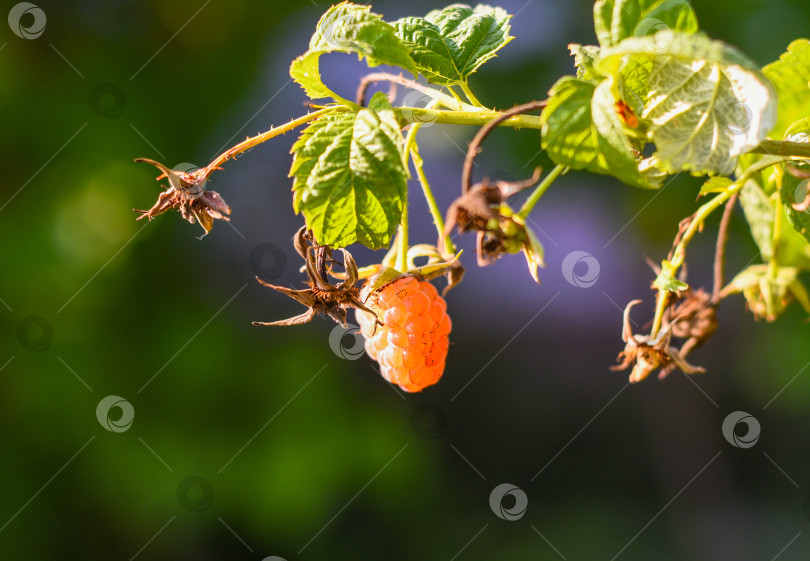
(646, 355)
(322, 297)
(499, 229)
(186, 193)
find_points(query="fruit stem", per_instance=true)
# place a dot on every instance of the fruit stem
(539, 190)
(438, 220)
(670, 267)
(402, 253)
(412, 151)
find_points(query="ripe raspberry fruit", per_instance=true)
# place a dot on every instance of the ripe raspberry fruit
(412, 343)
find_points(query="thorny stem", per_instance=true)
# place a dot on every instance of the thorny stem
(670, 267)
(253, 141)
(539, 190)
(494, 120)
(459, 113)
(720, 249)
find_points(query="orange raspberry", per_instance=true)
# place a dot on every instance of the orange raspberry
(412, 344)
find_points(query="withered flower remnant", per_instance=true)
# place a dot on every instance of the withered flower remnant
(186, 193)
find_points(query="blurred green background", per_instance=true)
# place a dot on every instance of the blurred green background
(249, 442)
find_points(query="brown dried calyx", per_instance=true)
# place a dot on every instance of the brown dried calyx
(646, 354)
(186, 193)
(483, 209)
(321, 297)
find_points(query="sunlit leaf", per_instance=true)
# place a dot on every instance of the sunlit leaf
(790, 76)
(450, 44)
(349, 179)
(615, 20)
(702, 102)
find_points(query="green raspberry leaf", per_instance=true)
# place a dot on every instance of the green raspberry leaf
(702, 103)
(306, 72)
(714, 184)
(581, 131)
(349, 179)
(759, 213)
(450, 44)
(584, 57)
(353, 28)
(349, 28)
(795, 191)
(615, 20)
(615, 144)
(790, 76)
(568, 134)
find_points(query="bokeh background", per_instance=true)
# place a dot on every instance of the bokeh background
(248, 442)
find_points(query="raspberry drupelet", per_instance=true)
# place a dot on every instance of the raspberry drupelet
(412, 343)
